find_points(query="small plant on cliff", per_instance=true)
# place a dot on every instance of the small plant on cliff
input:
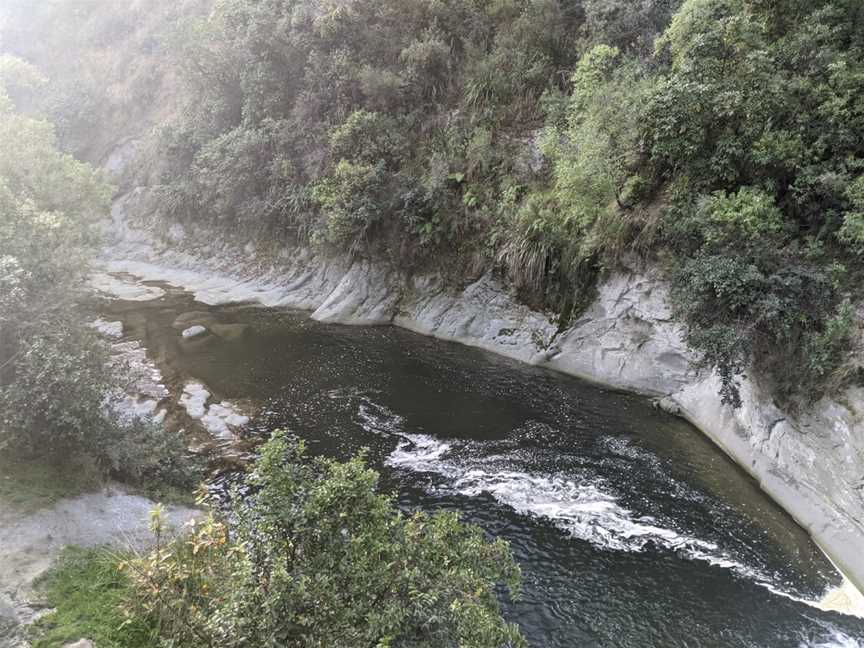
(317, 557)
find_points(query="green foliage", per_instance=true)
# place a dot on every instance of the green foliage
(52, 402)
(112, 69)
(559, 233)
(52, 369)
(740, 107)
(750, 298)
(739, 312)
(629, 26)
(17, 78)
(413, 85)
(54, 374)
(749, 217)
(368, 137)
(738, 129)
(315, 556)
(595, 172)
(852, 231)
(825, 353)
(354, 199)
(86, 590)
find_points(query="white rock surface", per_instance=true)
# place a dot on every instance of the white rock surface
(222, 420)
(108, 329)
(812, 465)
(120, 158)
(120, 288)
(194, 399)
(140, 397)
(81, 643)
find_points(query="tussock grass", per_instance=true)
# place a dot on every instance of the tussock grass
(87, 590)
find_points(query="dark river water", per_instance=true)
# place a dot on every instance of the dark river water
(631, 529)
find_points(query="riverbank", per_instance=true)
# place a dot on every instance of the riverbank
(811, 464)
(32, 539)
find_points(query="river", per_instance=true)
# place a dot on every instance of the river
(632, 530)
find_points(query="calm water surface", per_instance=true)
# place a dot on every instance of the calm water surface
(632, 530)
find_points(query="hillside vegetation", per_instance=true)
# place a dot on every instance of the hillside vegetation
(547, 140)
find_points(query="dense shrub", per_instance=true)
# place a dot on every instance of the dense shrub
(315, 556)
(51, 370)
(739, 131)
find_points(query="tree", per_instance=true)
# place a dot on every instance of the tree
(55, 377)
(52, 370)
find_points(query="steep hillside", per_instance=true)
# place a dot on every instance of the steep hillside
(543, 140)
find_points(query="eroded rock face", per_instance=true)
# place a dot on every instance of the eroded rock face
(119, 159)
(812, 465)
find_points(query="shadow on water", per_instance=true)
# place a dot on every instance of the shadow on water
(631, 528)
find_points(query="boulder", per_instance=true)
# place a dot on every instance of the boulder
(81, 643)
(194, 331)
(667, 404)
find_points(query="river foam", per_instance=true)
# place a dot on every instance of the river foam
(832, 638)
(584, 509)
(583, 506)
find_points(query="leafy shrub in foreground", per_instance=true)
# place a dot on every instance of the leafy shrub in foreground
(315, 556)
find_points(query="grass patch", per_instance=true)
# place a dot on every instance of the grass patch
(30, 485)
(87, 590)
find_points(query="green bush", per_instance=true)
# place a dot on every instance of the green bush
(315, 556)
(629, 26)
(354, 199)
(852, 231)
(747, 219)
(739, 314)
(368, 137)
